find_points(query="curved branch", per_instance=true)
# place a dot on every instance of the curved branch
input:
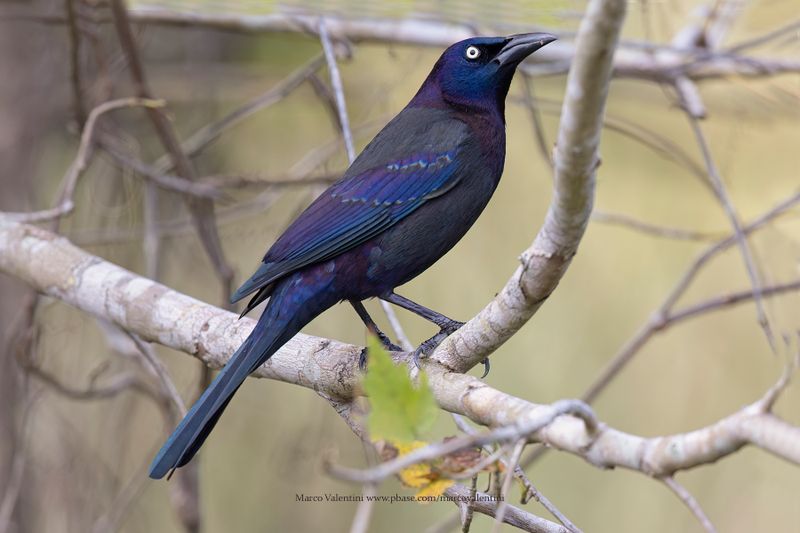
(575, 164)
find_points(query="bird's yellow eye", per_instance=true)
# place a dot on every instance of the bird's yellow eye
(473, 52)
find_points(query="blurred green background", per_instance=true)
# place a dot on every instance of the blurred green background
(84, 459)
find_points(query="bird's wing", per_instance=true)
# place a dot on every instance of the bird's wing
(353, 211)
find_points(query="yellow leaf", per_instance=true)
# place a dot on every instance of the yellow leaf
(433, 490)
(415, 476)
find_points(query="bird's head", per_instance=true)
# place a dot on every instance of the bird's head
(476, 73)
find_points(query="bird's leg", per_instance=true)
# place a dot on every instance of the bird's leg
(373, 327)
(446, 325)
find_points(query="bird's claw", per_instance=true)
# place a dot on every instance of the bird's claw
(385, 341)
(486, 367)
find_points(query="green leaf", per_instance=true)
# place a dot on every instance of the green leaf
(399, 411)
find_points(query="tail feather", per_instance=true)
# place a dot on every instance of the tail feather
(204, 414)
(292, 305)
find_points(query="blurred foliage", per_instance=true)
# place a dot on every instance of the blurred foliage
(399, 410)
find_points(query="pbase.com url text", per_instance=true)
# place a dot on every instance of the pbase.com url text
(390, 498)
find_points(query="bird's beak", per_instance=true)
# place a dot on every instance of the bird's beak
(520, 46)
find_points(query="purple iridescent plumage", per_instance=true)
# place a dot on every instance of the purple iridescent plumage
(407, 199)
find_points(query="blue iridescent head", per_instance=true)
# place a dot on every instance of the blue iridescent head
(475, 74)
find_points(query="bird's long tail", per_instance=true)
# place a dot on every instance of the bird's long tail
(286, 313)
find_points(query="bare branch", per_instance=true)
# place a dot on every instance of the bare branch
(765, 38)
(364, 509)
(512, 465)
(531, 490)
(575, 162)
(157, 369)
(167, 182)
(627, 221)
(338, 89)
(484, 503)
(690, 502)
(730, 211)
(202, 210)
(206, 135)
(656, 322)
(78, 166)
(515, 431)
(75, 66)
(529, 102)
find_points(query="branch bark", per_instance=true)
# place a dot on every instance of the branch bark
(52, 265)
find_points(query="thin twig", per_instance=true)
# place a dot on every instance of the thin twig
(364, 510)
(487, 504)
(245, 181)
(338, 89)
(115, 386)
(467, 508)
(65, 204)
(765, 38)
(656, 321)
(205, 136)
(202, 210)
(660, 321)
(120, 505)
(513, 462)
(16, 475)
(730, 211)
(347, 135)
(198, 189)
(641, 134)
(156, 368)
(772, 395)
(440, 449)
(75, 64)
(531, 490)
(690, 502)
(529, 101)
(629, 222)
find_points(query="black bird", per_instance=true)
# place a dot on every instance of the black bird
(408, 198)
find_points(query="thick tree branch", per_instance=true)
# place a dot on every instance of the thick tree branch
(52, 265)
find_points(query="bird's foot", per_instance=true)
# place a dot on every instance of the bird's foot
(448, 327)
(425, 349)
(385, 342)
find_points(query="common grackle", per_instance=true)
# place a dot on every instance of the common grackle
(408, 198)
